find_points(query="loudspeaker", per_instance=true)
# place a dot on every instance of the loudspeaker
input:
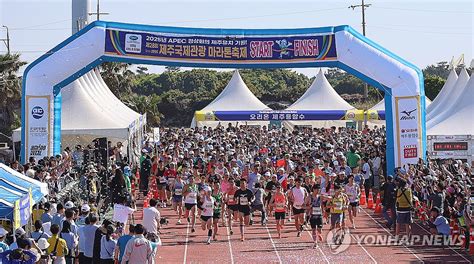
(101, 154)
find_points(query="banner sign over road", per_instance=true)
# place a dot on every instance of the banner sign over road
(300, 115)
(222, 49)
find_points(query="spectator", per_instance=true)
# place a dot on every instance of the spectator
(404, 207)
(107, 246)
(138, 249)
(39, 232)
(151, 217)
(122, 243)
(71, 241)
(88, 234)
(57, 246)
(439, 224)
(59, 215)
(388, 194)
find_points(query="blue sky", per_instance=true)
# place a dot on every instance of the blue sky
(422, 32)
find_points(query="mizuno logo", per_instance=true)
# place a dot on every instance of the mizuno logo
(407, 115)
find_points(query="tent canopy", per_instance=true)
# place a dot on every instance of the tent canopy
(90, 108)
(20, 181)
(447, 88)
(235, 96)
(449, 103)
(456, 120)
(320, 96)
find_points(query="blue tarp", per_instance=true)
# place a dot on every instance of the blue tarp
(10, 179)
(7, 201)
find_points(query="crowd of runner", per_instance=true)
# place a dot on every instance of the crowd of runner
(232, 177)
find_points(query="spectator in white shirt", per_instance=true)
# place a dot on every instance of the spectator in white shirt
(151, 217)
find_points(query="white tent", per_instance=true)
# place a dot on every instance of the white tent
(448, 103)
(90, 110)
(447, 88)
(319, 96)
(236, 96)
(457, 120)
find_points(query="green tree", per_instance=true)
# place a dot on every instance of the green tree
(10, 90)
(433, 85)
(146, 104)
(118, 77)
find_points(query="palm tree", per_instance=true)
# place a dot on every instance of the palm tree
(10, 90)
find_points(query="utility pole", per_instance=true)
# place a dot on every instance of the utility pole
(363, 6)
(7, 40)
(98, 13)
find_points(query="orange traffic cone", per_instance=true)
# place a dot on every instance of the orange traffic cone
(378, 206)
(363, 199)
(370, 201)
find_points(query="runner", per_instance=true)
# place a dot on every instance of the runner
(337, 208)
(217, 195)
(177, 192)
(190, 192)
(278, 202)
(353, 192)
(232, 206)
(161, 182)
(244, 197)
(207, 207)
(297, 197)
(316, 214)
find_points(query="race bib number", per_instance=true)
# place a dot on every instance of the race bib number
(162, 180)
(338, 205)
(178, 191)
(297, 206)
(316, 211)
(244, 201)
(192, 195)
(280, 206)
(231, 197)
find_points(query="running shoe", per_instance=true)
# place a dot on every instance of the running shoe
(231, 232)
(193, 230)
(208, 240)
(179, 222)
(299, 234)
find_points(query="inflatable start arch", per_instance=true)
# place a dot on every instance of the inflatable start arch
(339, 46)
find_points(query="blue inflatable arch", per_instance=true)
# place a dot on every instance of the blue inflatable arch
(339, 46)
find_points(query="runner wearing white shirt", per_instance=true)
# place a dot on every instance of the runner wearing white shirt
(208, 203)
(353, 192)
(190, 192)
(298, 197)
(151, 217)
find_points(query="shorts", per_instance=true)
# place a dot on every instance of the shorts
(205, 218)
(189, 206)
(336, 218)
(297, 211)
(177, 198)
(245, 210)
(257, 207)
(216, 215)
(354, 204)
(280, 215)
(316, 221)
(233, 207)
(404, 217)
